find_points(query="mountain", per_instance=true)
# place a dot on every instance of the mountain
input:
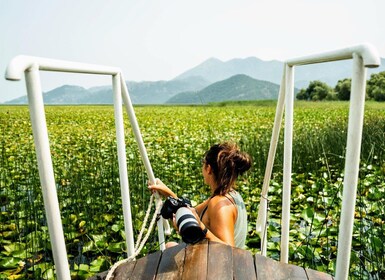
(159, 92)
(215, 70)
(238, 87)
(66, 94)
(140, 92)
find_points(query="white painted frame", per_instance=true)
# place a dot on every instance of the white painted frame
(363, 56)
(30, 66)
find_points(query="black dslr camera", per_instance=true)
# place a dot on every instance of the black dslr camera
(188, 226)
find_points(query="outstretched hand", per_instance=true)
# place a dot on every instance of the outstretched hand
(161, 188)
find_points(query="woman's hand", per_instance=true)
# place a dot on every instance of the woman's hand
(174, 223)
(162, 189)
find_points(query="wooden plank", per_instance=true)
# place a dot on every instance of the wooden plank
(210, 260)
(219, 261)
(124, 271)
(243, 265)
(271, 269)
(195, 265)
(317, 275)
(145, 268)
(171, 263)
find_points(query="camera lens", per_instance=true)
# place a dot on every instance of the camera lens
(188, 226)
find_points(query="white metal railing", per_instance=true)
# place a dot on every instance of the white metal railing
(363, 56)
(30, 66)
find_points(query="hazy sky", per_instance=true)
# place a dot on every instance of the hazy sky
(159, 39)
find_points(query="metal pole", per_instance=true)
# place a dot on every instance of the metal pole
(287, 161)
(124, 184)
(261, 224)
(143, 153)
(20, 63)
(353, 151)
(47, 179)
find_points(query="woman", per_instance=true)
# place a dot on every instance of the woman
(224, 213)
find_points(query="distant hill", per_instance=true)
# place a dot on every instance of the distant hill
(66, 94)
(194, 80)
(140, 92)
(215, 70)
(238, 87)
(159, 92)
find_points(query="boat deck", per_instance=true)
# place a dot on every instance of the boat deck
(209, 260)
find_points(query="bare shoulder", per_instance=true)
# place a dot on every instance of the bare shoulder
(219, 202)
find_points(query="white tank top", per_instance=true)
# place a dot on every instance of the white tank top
(240, 227)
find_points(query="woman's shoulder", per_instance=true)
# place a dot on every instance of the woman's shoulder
(220, 206)
(217, 198)
(219, 201)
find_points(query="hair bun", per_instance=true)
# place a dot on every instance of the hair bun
(242, 162)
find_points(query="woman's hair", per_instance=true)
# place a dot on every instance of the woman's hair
(227, 163)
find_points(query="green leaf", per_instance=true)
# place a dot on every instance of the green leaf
(116, 247)
(48, 274)
(98, 237)
(99, 264)
(88, 246)
(84, 267)
(308, 214)
(9, 262)
(115, 228)
(13, 247)
(108, 217)
(82, 224)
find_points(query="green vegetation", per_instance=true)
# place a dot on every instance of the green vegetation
(376, 87)
(318, 90)
(86, 173)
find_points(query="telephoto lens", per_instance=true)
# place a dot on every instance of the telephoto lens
(188, 226)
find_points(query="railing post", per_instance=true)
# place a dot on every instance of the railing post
(353, 152)
(261, 224)
(143, 153)
(123, 176)
(287, 162)
(47, 180)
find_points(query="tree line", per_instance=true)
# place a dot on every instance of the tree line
(317, 90)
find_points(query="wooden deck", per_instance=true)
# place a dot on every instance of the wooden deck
(209, 260)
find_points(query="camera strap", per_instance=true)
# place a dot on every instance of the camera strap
(204, 211)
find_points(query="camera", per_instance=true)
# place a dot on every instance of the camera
(186, 222)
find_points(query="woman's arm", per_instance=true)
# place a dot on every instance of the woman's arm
(165, 191)
(162, 189)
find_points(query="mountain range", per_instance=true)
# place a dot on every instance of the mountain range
(238, 87)
(211, 81)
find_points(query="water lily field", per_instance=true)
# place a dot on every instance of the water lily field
(83, 149)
